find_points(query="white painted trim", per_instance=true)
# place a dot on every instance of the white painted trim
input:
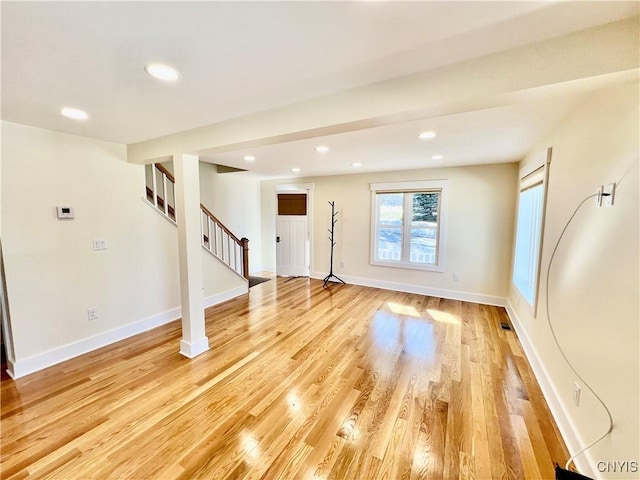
(294, 187)
(409, 186)
(7, 332)
(194, 349)
(441, 186)
(10, 369)
(218, 298)
(406, 265)
(46, 359)
(420, 290)
(222, 262)
(557, 407)
(306, 188)
(269, 268)
(32, 364)
(155, 209)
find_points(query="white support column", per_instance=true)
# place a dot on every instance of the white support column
(187, 189)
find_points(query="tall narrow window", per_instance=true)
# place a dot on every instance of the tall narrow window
(528, 235)
(407, 224)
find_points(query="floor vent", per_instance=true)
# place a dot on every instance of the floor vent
(505, 326)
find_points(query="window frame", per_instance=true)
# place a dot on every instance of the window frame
(426, 186)
(538, 177)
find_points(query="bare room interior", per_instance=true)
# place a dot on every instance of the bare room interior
(320, 240)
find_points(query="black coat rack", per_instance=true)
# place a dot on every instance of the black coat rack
(333, 244)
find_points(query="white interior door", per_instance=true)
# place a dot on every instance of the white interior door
(292, 246)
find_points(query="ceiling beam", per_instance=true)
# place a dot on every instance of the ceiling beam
(470, 85)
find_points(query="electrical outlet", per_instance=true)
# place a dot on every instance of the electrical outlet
(92, 313)
(610, 190)
(342, 263)
(576, 394)
(456, 277)
(99, 244)
(599, 190)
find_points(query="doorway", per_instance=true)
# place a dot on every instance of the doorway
(292, 234)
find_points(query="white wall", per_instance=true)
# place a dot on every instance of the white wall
(234, 198)
(53, 273)
(594, 284)
(478, 238)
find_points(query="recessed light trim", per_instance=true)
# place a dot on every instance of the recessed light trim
(427, 135)
(74, 113)
(295, 170)
(322, 149)
(249, 158)
(437, 157)
(162, 72)
(356, 164)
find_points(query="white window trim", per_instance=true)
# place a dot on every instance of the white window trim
(536, 175)
(403, 187)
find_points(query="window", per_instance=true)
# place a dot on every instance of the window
(528, 235)
(408, 224)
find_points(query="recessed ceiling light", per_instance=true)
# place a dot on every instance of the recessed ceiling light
(322, 149)
(427, 135)
(74, 113)
(437, 157)
(162, 72)
(249, 158)
(295, 170)
(356, 164)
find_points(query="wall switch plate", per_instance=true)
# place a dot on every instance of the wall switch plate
(599, 190)
(576, 394)
(611, 191)
(99, 244)
(92, 313)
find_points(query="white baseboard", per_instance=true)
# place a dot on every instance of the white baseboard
(32, 364)
(420, 290)
(10, 369)
(212, 300)
(23, 367)
(560, 414)
(558, 409)
(269, 268)
(46, 359)
(193, 349)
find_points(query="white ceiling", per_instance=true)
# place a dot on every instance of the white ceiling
(238, 58)
(495, 135)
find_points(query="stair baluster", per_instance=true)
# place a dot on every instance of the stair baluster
(215, 237)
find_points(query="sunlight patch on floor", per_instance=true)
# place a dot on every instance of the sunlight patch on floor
(403, 309)
(444, 317)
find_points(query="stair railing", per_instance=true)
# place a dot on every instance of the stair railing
(161, 190)
(215, 237)
(220, 241)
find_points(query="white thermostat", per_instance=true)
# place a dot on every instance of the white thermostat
(64, 212)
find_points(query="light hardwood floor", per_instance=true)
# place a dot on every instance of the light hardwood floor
(299, 383)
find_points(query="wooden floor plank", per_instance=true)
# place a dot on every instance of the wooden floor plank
(300, 382)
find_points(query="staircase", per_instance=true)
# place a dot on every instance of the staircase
(216, 238)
